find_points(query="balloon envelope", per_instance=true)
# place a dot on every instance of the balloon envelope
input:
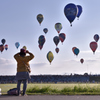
(93, 46)
(25, 47)
(70, 12)
(41, 41)
(6, 47)
(96, 37)
(76, 51)
(3, 41)
(45, 30)
(17, 45)
(62, 37)
(56, 40)
(57, 50)
(2, 48)
(73, 49)
(40, 18)
(79, 11)
(82, 60)
(50, 56)
(58, 27)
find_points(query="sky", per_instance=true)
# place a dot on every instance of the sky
(18, 23)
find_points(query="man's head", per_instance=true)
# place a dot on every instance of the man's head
(22, 52)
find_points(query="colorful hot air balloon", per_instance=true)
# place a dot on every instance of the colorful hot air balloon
(56, 40)
(76, 51)
(70, 12)
(41, 41)
(50, 56)
(62, 37)
(58, 27)
(73, 49)
(3, 41)
(93, 46)
(57, 50)
(25, 47)
(6, 47)
(96, 37)
(2, 48)
(82, 60)
(45, 30)
(17, 45)
(79, 11)
(40, 18)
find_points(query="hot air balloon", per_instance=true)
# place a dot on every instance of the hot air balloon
(96, 37)
(62, 37)
(93, 46)
(57, 50)
(70, 12)
(76, 51)
(56, 40)
(40, 18)
(73, 49)
(17, 45)
(3, 41)
(82, 60)
(58, 27)
(6, 47)
(45, 30)
(41, 41)
(2, 48)
(25, 47)
(50, 56)
(79, 11)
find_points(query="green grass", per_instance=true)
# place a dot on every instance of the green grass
(68, 90)
(65, 89)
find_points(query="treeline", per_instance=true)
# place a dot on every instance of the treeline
(54, 78)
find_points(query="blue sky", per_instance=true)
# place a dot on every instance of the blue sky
(18, 23)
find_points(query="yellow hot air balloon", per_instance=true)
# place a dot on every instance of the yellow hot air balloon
(25, 47)
(50, 56)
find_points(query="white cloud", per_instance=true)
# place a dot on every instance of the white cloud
(4, 61)
(90, 52)
(36, 64)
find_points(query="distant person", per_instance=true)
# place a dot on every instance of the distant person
(23, 69)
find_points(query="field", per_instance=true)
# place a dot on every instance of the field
(59, 88)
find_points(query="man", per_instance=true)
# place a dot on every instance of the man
(23, 69)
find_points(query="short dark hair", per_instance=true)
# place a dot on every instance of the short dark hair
(22, 52)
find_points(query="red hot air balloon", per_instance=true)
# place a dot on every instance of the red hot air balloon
(57, 50)
(93, 46)
(73, 49)
(62, 37)
(2, 48)
(82, 60)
